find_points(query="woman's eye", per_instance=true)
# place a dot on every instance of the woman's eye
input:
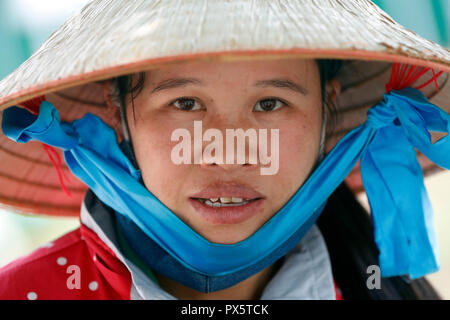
(186, 104)
(265, 105)
(268, 105)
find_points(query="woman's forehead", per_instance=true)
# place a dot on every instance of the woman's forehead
(216, 69)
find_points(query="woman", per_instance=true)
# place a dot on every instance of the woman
(176, 211)
(154, 118)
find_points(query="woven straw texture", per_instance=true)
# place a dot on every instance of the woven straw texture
(115, 37)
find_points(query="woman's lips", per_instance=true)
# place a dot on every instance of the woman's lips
(227, 215)
(231, 214)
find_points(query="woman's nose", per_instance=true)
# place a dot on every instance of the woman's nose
(229, 143)
(232, 157)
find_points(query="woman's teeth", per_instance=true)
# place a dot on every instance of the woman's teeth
(224, 202)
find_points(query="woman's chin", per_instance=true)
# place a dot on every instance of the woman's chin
(227, 233)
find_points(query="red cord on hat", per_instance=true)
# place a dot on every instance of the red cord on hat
(404, 75)
(33, 106)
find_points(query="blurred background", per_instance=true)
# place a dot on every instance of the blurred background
(25, 24)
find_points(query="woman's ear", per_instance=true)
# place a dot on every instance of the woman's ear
(110, 95)
(111, 98)
(333, 89)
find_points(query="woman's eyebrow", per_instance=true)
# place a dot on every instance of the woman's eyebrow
(276, 82)
(176, 82)
(282, 83)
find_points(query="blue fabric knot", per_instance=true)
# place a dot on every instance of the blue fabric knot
(22, 126)
(392, 178)
(381, 115)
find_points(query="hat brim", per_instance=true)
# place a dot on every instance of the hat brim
(95, 45)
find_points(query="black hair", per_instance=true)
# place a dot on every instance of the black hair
(345, 224)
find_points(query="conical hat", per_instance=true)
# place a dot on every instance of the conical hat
(109, 38)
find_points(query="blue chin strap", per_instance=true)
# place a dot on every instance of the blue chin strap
(392, 177)
(159, 260)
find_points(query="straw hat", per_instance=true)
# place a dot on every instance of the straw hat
(109, 38)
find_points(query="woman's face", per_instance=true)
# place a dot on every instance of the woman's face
(273, 94)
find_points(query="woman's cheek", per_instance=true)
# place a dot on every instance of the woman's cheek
(299, 148)
(153, 150)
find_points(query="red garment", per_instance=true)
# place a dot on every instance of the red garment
(77, 266)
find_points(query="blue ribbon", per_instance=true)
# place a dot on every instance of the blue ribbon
(392, 177)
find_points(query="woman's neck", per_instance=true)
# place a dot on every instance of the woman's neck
(249, 289)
